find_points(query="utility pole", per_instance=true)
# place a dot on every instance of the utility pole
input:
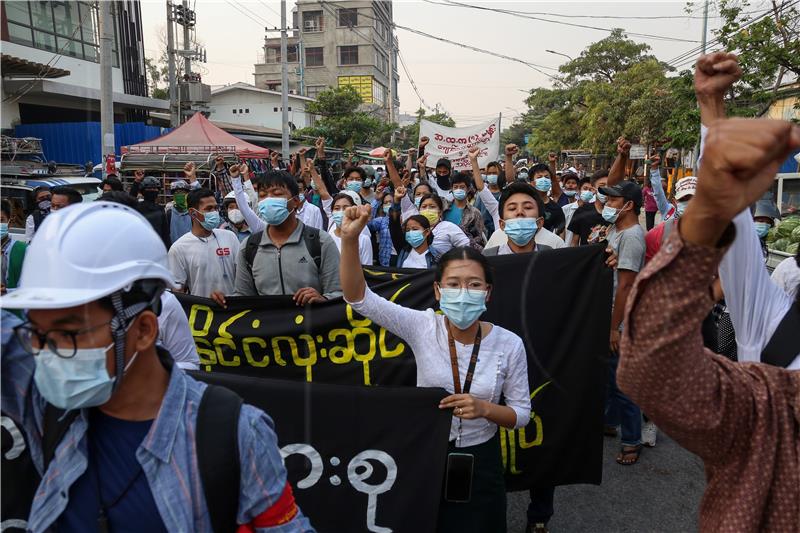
(391, 78)
(187, 44)
(284, 85)
(174, 115)
(106, 83)
(703, 43)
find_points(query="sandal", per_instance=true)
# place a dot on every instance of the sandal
(629, 455)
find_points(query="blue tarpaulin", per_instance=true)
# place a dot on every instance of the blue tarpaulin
(79, 142)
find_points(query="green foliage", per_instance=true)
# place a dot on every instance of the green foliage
(341, 122)
(601, 61)
(409, 135)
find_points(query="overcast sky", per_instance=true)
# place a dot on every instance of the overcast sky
(471, 86)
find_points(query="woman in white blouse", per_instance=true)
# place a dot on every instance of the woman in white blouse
(462, 287)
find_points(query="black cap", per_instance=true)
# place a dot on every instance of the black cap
(627, 190)
(444, 162)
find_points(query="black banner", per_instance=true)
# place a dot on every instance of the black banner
(373, 459)
(558, 301)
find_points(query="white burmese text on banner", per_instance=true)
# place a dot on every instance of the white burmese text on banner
(454, 143)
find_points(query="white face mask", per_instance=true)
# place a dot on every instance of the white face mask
(235, 216)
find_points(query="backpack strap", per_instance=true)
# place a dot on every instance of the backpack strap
(55, 424)
(313, 244)
(217, 442)
(38, 217)
(784, 345)
(251, 248)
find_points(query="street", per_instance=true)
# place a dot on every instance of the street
(661, 493)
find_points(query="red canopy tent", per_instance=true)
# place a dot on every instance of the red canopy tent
(198, 136)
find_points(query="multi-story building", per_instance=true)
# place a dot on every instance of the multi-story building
(348, 42)
(51, 63)
(243, 104)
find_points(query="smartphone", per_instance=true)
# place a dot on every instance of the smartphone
(458, 477)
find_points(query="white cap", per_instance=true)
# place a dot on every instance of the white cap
(85, 252)
(685, 187)
(354, 195)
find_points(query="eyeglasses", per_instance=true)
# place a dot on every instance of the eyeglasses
(62, 342)
(474, 288)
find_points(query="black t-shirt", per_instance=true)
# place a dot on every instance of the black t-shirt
(553, 216)
(586, 222)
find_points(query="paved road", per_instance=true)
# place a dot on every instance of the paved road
(661, 493)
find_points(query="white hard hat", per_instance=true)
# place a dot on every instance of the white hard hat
(85, 252)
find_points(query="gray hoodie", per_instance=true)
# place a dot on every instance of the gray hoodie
(289, 268)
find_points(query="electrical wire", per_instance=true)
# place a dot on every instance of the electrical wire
(250, 15)
(271, 9)
(411, 80)
(452, 3)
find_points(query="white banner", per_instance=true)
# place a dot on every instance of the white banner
(454, 143)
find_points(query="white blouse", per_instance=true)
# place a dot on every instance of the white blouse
(502, 366)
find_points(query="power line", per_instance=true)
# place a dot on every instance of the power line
(411, 80)
(268, 7)
(452, 3)
(250, 15)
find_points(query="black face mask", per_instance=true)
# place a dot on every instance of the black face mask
(150, 196)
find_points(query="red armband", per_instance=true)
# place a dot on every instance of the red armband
(281, 512)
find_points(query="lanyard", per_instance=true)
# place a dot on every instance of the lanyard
(454, 360)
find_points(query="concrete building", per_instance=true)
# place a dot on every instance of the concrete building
(244, 104)
(349, 43)
(51, 65)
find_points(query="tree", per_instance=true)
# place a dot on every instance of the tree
(155, 76)
(410, 134)
(601, 61)
(342, 123)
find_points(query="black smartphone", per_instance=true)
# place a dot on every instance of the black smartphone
(458, 477)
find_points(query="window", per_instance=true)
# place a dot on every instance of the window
(275, 109)
(240, 110)
(348, 17)
(312, 21)
(246, 110)
(68, 27)
(290, 109)
(378, 93)
(234, 111)
(314, 57)
(273, 54)
(381, 62)
(313, 91)
(348, 55)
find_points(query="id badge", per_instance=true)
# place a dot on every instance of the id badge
(458, 477)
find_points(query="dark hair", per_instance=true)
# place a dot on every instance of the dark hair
(382, 200)
(501, 175)
(5, 207)
(422, 221)
(73, 196)
(341, 195)
(113, 182)
(119, 197)
(435, 198)
(570, 176)
(460, 177)
(464, 252)
(41, 188)
(584, 181)
(598, 175)
(361, 172)
(423, 184)
(521, 188)
(280, 178)
(538, 167)
(194, 197)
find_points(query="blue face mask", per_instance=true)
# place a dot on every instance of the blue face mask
(570, 193)
(602, 197)
(78, 382)
(543, 184)
(522, 176)
(368, 182)
(211, 220)
(491, 179)
(459, 194)
(762, 228)
(314, 185)
(3, 230)
(610, 214)
(521, 230)
(354, 186)
(680, 207)
(417, 201)
(587, 196)
(273, 210)
(415, 237)
(337, 217)
(462, 307)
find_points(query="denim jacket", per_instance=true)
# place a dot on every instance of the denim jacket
(167, 454)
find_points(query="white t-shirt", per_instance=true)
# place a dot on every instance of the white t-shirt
(174, 333)
(447, 235)
(364, 246)
(204, 265)
(787, 276)
(415, 260)
(543, 236)
(310, 215)
(569, 212)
